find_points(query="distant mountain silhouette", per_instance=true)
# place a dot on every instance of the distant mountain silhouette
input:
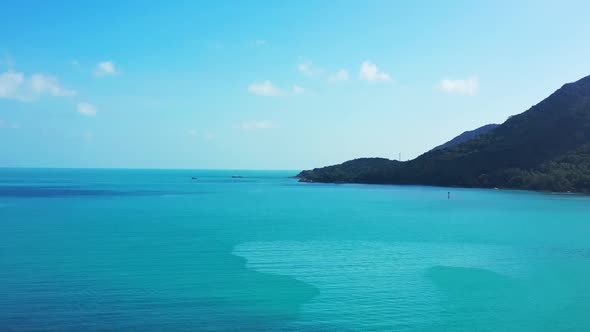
(545, 148)
(468, 135)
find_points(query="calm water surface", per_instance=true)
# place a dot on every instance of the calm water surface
(152, 250)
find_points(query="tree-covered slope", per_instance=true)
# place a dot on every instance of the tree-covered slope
(467, 136)
(544, 148)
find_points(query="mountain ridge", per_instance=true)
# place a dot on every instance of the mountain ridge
(546, 148)
(467, 136)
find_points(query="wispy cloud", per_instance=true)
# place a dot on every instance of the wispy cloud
(10, 84)
(15, 85)
(297, 90)
(267, 88)
(6, 124)
(87, 109)
(105, 68)
(255, 125)
(259, 43)
(371, 73)
(468, 86)
(340, 75)
(308, 69)
(207, 136)
(87, 136)
(47, 84)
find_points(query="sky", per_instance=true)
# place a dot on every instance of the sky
(271, 84)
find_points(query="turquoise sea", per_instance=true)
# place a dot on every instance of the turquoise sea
(155, 250)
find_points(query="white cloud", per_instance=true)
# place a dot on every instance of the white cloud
(304, 68)
(87, 136)
(371, 73)
(10, 84)
(6, 124)
(255, 125)
(308, 69)
(87, 109)
(468, 86)
(15, 85)
(47, 84)
(208, 136)
(259, 42)
(340, 75)
(265, 88)
(297, 90)
(105, 68)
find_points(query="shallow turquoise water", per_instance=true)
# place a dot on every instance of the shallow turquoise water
(152, 250)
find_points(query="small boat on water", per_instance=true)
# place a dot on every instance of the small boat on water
(236, 176)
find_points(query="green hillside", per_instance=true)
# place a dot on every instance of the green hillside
(544, 148)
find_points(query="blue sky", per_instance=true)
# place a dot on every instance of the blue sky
(269, 84)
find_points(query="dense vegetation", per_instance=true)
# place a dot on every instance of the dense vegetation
(467, 136)
(544, 148)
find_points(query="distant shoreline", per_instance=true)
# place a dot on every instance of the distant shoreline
(548, 192)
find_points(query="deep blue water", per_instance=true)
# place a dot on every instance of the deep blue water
(155, 250)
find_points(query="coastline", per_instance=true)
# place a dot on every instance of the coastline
(549, 192)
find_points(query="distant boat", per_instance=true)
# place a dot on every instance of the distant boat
(236, 176)
(194, 177)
